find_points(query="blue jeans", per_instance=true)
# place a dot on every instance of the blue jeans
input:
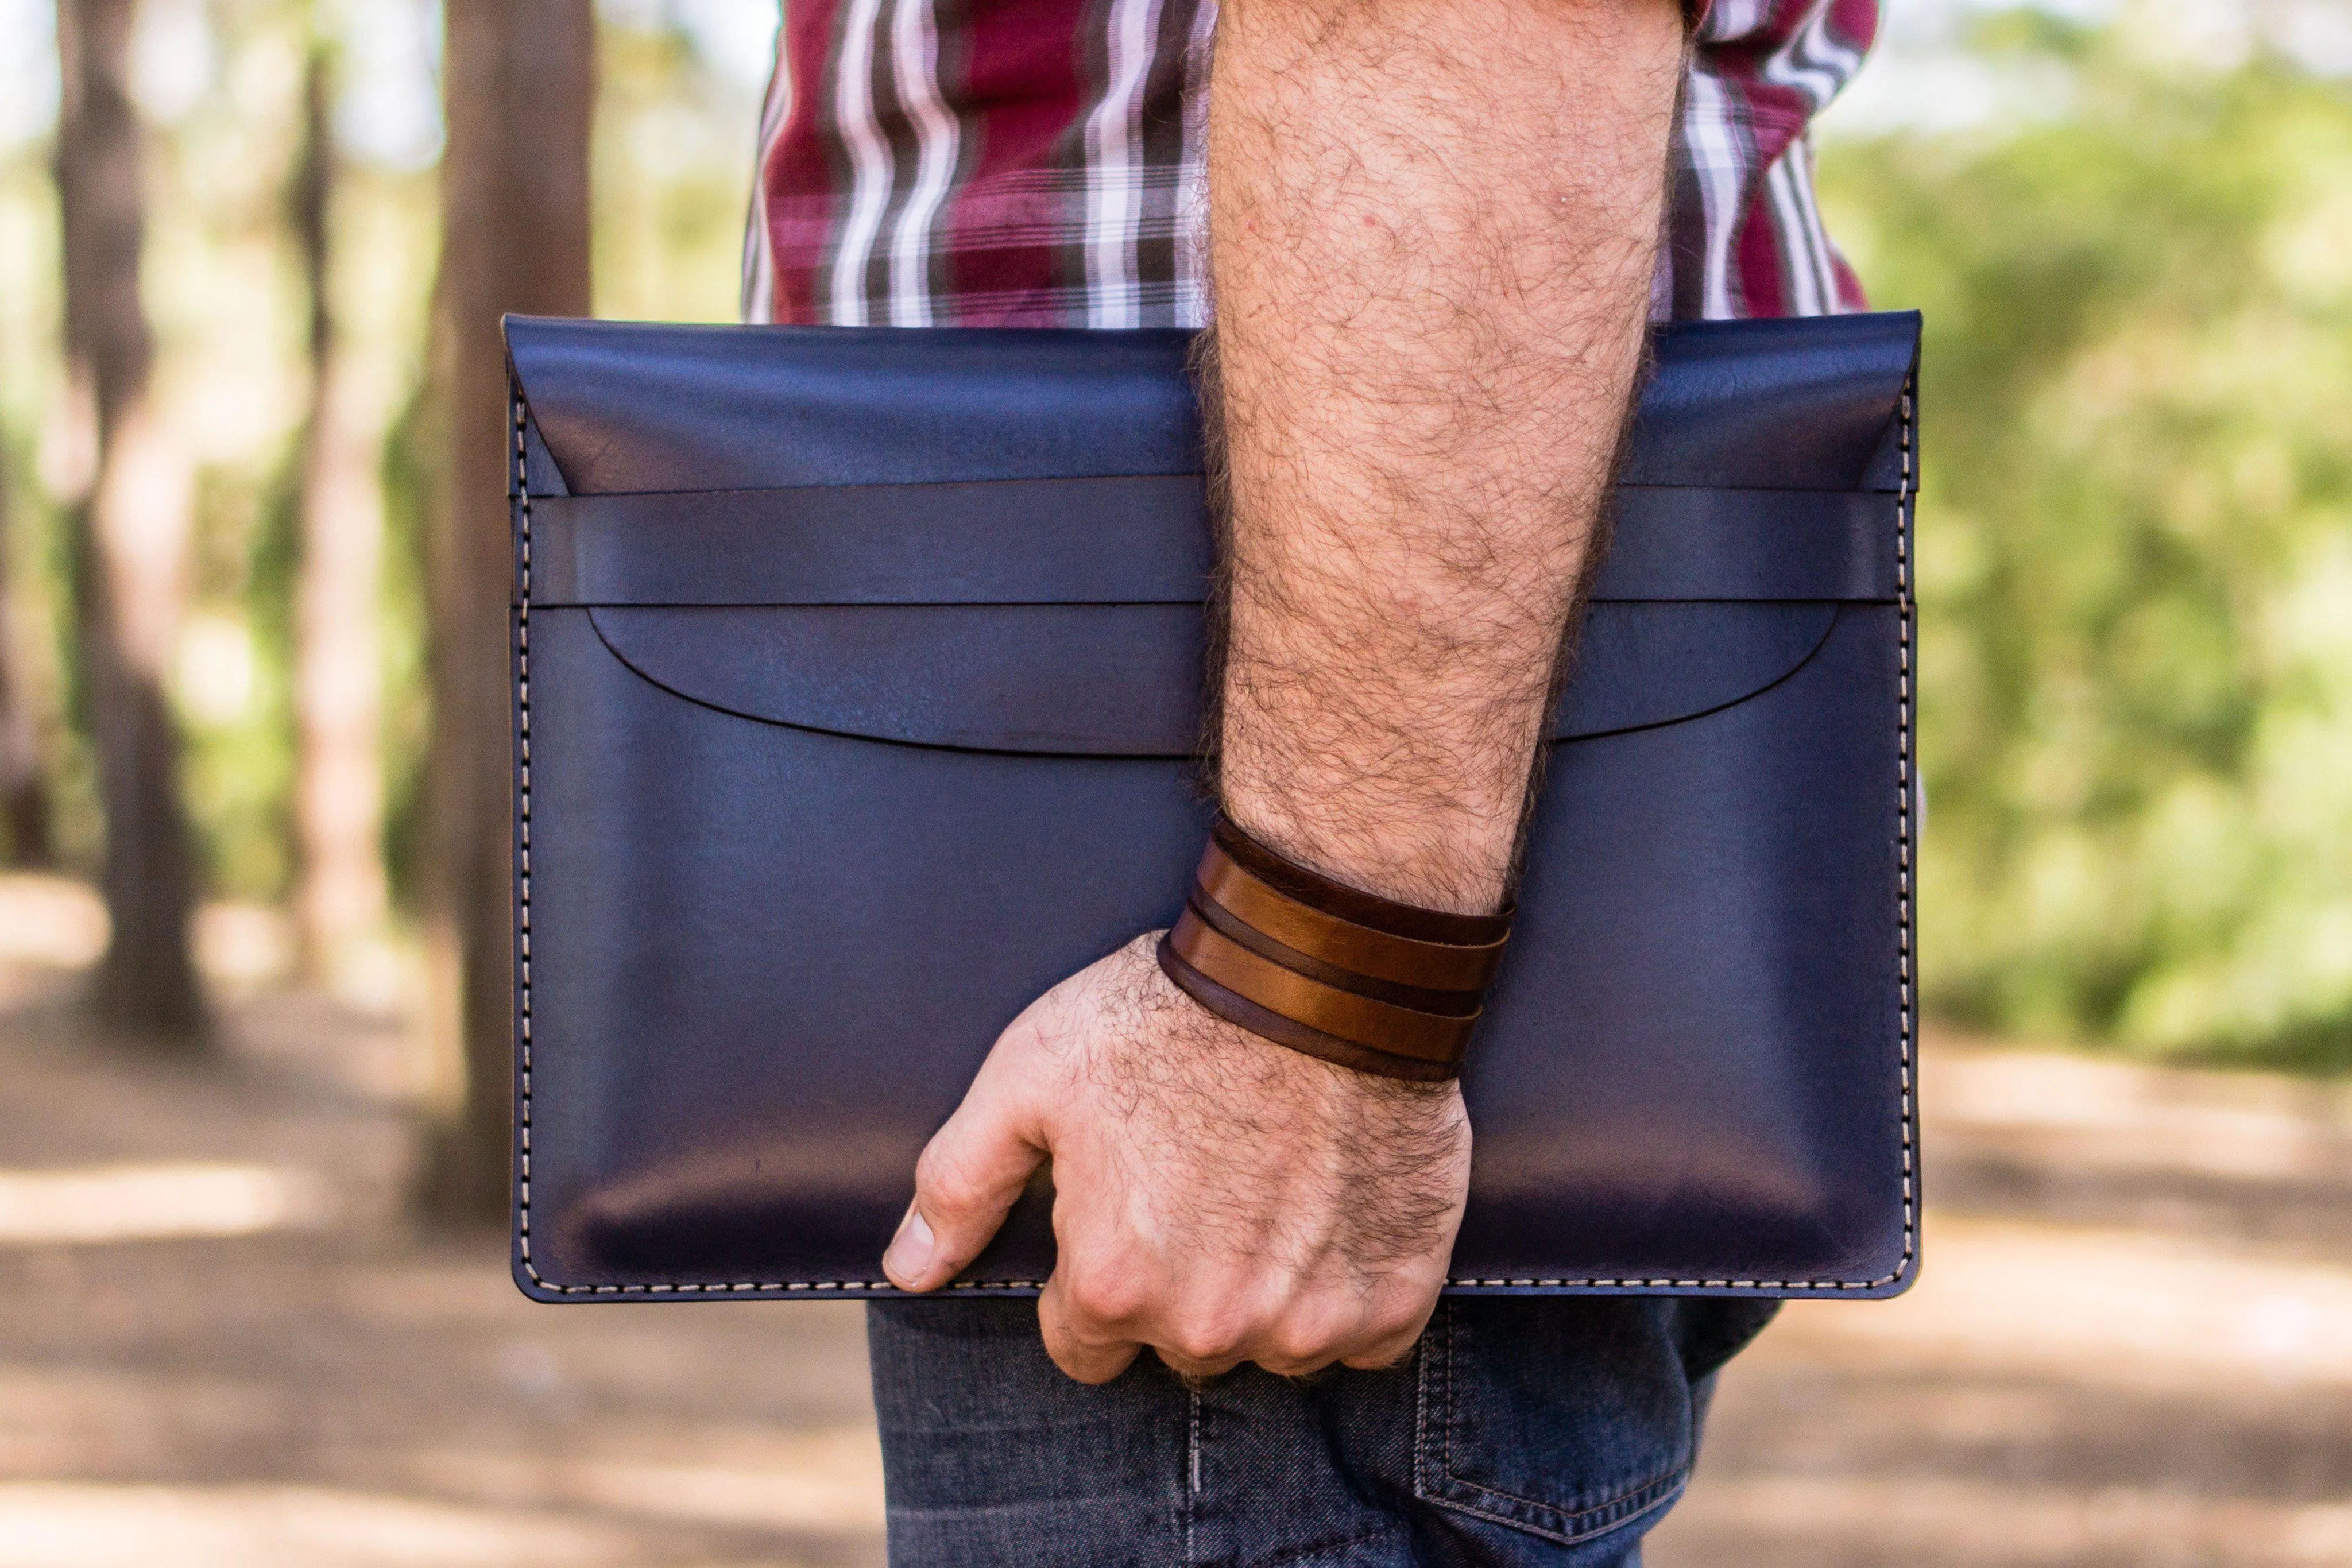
(1550, 1431)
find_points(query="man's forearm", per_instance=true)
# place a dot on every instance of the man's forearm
(1433, 228)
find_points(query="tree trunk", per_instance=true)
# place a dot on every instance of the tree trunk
(130, 540)
(24, 788)
(338, 783)
(519, 84)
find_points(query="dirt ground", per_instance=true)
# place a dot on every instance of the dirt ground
(221, 1346)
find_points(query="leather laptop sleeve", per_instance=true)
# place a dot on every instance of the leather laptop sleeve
(856, 685)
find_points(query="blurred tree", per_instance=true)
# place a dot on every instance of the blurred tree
(24, 788)
(131, 539)
(519, 86)
(2135, 541)
(339, 784)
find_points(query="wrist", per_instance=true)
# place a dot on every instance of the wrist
(1441, 846)
(1402, 781)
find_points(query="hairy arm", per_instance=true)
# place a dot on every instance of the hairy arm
(1433, 224)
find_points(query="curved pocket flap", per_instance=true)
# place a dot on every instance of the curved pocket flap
(1124, 680)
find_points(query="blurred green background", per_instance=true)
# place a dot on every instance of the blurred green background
(2130, 229)
(2135, 520)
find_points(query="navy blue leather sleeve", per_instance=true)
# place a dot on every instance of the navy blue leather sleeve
(1779, 404)
(858, 686)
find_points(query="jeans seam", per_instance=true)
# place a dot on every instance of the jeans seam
(1571, 1536)
(1421, 1402)
(1323, 1548)
(1574, 1524)
(1190, 1483)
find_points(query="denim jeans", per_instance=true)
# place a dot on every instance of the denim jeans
(1521, 1431)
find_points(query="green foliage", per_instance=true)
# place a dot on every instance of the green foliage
(674, 144)
(229, 303)
(2135, 547)
(410, 452)
(235, 680)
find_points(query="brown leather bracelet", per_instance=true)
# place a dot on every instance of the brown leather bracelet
(1352, 903)
(1360, 949)
(1361, 1019)
(1269, 1025)
(1327, 969)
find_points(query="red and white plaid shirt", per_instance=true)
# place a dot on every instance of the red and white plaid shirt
(1040, 163)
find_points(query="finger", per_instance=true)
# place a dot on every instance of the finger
(1221, 1323)
(1310, 1334)
(1183, 1365)
(1383, 1353)
(1296, 1363)
(969, 1176)
(1086, 1350)
(1385, 1350)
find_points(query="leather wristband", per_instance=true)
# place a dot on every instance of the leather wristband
(1327, 969)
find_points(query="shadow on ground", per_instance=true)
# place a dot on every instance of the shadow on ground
(222, 1344)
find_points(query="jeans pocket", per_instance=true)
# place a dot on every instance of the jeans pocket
(1566, 1417)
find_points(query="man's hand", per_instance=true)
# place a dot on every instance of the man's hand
(1217, 1197)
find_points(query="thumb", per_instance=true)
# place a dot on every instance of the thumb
(970, 1174)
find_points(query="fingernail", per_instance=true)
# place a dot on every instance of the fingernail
(910, 1250)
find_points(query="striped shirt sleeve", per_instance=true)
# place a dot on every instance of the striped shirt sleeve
(1041, 162)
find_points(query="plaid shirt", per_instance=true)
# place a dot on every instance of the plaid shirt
(1040, 162)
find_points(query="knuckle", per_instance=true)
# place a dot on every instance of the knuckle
(1305, 1339)
(1208, 1337)
(1106, 1295)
